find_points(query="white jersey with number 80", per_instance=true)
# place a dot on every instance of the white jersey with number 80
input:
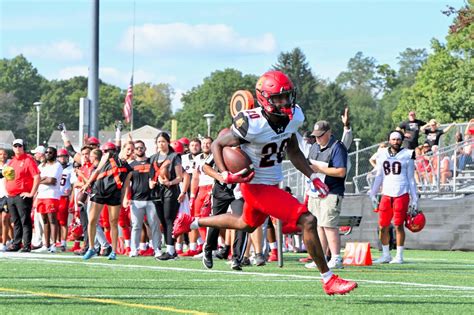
(395, 171)
(265, 143)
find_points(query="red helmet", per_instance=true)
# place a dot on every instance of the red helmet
(276, 84)
(177, 146)
(415, 223)
(62, 152)
(184, 141)
(93, 140)
(76, 230)
(108, 146)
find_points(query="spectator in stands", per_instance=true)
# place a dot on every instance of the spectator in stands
(20, 192)
(423, 170)
(373, 158)
(411, 130)
(433, 133)
(328, 158)
(4, 215)
(373, 162)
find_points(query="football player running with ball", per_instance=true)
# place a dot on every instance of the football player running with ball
(266, 134)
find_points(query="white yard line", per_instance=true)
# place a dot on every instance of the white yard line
(32, 257)
(264, 296)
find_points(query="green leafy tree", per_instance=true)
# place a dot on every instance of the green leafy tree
(360, 74)
(22, 80)
(212, 96)
(443, 87)
(329, 106)
(410, 62)
(152, 105)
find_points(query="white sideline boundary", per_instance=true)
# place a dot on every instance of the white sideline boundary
(34, 257)
(216, 296)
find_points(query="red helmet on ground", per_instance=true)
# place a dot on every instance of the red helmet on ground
(62, 152)
(415, 223)
(108, 146)
(177, 146)
(184, 141)
(272, 86)
(93, 140)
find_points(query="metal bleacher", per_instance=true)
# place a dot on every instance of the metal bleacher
(359, 176)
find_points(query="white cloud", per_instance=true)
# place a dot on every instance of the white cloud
(62, 50)
(191, 39)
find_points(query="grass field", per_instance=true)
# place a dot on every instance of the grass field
(430, 282)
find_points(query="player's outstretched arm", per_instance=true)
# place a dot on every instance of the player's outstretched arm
(297, 158)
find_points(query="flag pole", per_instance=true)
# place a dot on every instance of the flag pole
(133, 60)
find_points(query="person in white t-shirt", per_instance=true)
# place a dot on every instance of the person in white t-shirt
(47, 199)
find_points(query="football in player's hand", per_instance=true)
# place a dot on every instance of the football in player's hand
(236, 160)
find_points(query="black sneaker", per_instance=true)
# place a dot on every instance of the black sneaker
(236, 265)
(107, 251)
(25, 249)
(223, 252)
(13, 248)
(166, 256)
(259, 260)
(207, 259)
(246, 261)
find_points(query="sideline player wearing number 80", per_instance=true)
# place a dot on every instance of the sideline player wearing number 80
(266, 134)
(395, 170)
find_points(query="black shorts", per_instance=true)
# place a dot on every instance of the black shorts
(3, 205)
(111, 200)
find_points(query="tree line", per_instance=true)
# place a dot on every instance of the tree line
(436, 85)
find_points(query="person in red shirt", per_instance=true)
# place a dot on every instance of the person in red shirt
(21, 191)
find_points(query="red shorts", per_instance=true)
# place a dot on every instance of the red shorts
(393, 207)
(264, 200)
(63, 210)
(202, 204)
(124, 217)
(44, 206)
(104, 218)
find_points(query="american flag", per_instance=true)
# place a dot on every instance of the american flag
(127, 106)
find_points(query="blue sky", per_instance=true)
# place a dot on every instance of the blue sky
(182, 42)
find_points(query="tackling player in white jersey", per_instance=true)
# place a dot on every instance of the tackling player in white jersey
(395, 171)
(266, 134)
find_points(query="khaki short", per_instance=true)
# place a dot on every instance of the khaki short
(326, 210)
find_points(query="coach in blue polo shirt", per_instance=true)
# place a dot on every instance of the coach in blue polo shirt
(328, 157)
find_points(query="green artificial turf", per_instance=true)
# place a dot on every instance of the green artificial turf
(429, 282)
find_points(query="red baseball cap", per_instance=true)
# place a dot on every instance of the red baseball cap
(93, 140)
(184, 141)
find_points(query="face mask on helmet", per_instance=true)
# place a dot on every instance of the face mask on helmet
(276, 93)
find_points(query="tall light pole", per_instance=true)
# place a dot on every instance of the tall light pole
(357, 141)
(209, 118)
(38, 107)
